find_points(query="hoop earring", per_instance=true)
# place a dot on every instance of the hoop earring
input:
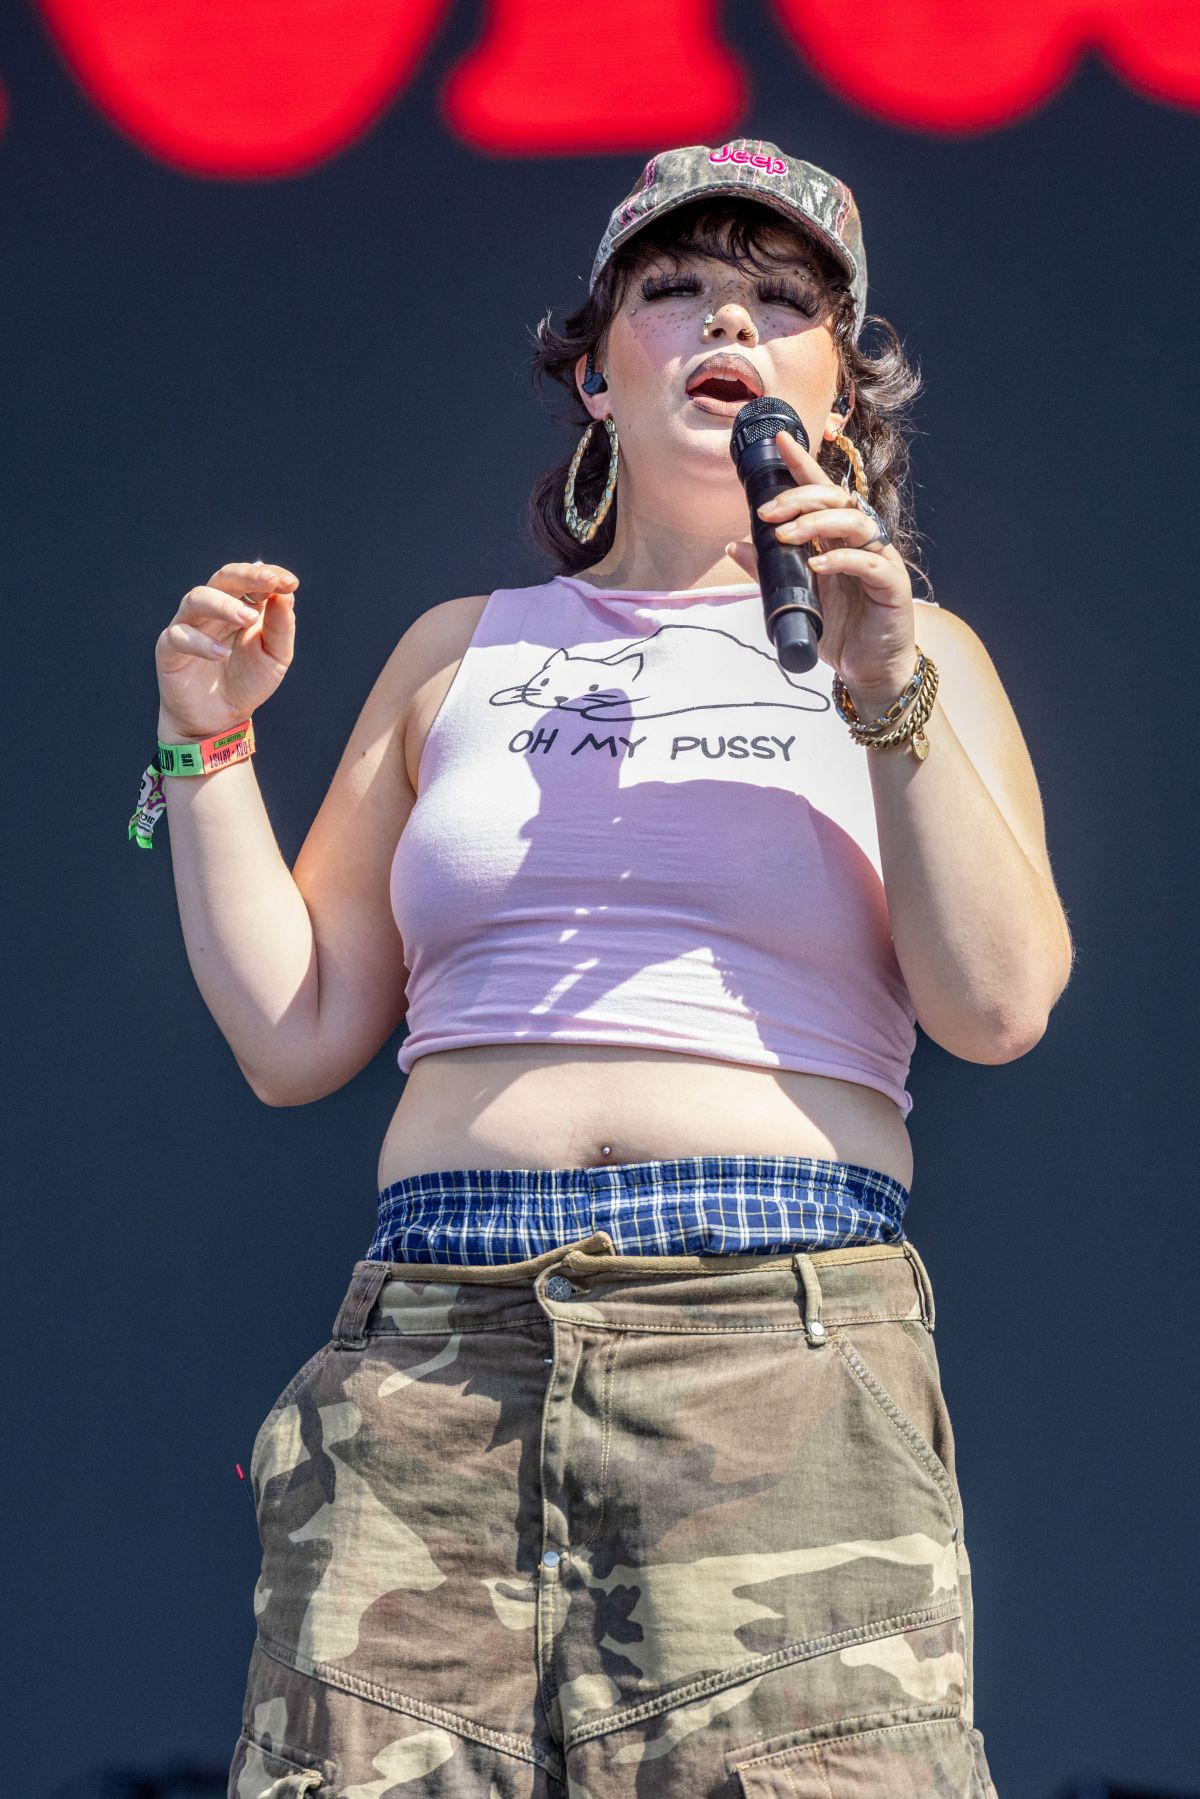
(584, 529)
(854, 458)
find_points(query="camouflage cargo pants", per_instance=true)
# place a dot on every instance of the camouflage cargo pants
(594, 1526)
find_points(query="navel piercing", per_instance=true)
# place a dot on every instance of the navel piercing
(709, 318)
(606, 1149)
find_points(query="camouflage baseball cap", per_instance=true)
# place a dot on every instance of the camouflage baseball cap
(759, 171)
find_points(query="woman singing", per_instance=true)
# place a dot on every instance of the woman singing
(627, 1470)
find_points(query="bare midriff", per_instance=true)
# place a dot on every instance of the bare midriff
(523, 1105)
(550, 1105)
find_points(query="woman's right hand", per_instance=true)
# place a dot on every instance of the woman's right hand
(219, 658)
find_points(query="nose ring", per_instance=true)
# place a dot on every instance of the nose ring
(708, 320)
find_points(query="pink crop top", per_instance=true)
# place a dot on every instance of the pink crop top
(632, 827)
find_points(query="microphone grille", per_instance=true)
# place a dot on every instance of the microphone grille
(761, 418)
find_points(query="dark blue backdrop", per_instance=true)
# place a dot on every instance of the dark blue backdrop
(332, 371)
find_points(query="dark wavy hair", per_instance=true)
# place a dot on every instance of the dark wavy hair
(746, 236)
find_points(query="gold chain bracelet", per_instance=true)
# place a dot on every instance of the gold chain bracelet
(923, 686)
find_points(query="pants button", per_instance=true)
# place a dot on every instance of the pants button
(559, 1287)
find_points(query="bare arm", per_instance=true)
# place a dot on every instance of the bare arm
(979, 930)
(256, 942)
(303, 970)
(980, 933)
(246, 928)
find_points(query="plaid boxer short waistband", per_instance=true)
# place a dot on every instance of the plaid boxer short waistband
(689, 1205)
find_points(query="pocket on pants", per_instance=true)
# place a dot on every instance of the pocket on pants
(258, 1773)
(896, 1364)
(931, 1758)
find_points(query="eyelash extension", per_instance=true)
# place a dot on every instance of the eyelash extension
(656, 285)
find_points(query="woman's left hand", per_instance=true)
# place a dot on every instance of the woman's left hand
(866, 595)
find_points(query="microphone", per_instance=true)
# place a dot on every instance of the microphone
(790, 603)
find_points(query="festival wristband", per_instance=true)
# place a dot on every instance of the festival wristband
(203, 758)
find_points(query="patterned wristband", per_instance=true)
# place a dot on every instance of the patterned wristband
(234, 745)
(203, 758)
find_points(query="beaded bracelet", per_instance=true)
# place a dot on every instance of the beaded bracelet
(202, 758)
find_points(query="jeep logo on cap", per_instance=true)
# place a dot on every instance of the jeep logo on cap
(770, 165)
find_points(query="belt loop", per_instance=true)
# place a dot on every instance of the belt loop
(814, 1330)
(924, 1284)
(349, 1327)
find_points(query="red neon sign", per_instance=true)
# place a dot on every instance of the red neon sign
(553, 78)
(243, 89)
(939, 65)
(250, 89)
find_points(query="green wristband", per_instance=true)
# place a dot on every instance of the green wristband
(202, 758)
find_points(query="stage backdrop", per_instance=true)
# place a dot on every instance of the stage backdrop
(271, 294)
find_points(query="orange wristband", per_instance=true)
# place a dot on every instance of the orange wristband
(234, 745)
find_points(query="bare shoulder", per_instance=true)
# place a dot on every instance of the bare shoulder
(971, 694)
(344, 863)
(964, 664)
(431, 645)
(444, 629)
(968, 678)
(939, 621)
(436, 636)
(370, 796)
(428, 656)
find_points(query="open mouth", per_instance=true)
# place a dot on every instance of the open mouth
(724, 383)
(724, 387)
(725, 398)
